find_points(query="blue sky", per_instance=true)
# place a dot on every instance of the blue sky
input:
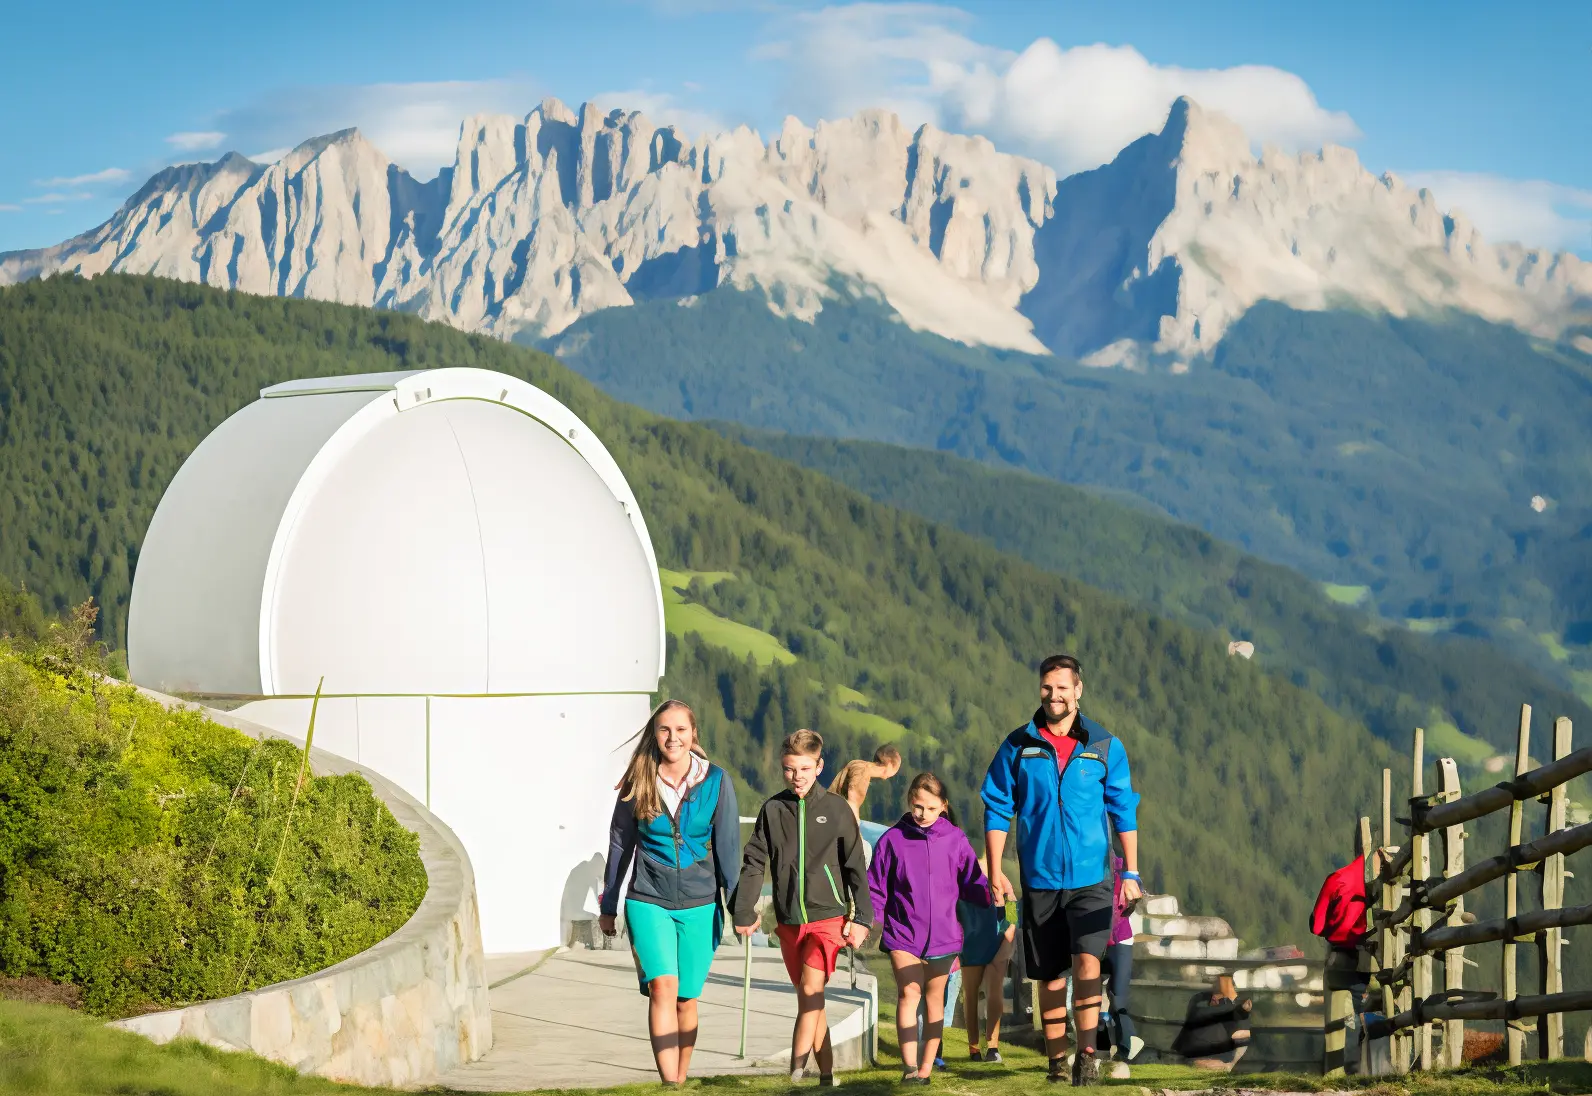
(1489, 104)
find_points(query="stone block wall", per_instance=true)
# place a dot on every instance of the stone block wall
(400, 1013)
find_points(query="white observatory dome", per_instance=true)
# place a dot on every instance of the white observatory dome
(462, 561)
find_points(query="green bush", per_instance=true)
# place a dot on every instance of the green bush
(152, 857)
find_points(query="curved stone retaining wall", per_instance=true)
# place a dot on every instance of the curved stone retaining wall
(400, 1013)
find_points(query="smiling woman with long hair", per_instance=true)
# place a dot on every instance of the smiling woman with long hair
(677, 819)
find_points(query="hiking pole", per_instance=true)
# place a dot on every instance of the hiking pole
(746, 993)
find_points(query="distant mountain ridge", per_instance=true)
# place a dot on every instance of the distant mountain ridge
(544, 219)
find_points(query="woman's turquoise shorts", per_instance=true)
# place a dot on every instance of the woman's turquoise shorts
(673, 943)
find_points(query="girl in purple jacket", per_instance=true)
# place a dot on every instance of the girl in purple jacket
(921, 866)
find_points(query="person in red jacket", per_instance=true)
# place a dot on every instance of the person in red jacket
(1339, 913)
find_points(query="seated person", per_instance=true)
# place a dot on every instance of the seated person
(1216, 1030)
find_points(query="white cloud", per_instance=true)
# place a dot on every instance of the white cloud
(1528, 211)
(53, 196)
(1074, 108)
(10, 208)
(416, 124)
(196, 141)
(109, 175)
(662, 109)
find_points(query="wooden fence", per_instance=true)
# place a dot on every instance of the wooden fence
(1419, 922)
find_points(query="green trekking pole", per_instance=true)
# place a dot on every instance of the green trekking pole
(746, 993)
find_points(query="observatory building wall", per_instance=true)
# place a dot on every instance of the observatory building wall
(459, 567)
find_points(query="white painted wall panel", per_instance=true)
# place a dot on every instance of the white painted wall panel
(526, 783)
(392, 740)
(194, 619)
(570, 589)
(381, 588)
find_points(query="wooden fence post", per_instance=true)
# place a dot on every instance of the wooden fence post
(1420, 868)
(1550, 1029)
(1453, 958)
(1370, 957)
(1514, 1035)
(1388, 942)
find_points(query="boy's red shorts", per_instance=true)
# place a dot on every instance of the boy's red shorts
(816, 944)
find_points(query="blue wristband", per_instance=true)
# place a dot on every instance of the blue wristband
(1133, 875)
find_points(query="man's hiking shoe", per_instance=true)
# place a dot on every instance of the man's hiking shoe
(1086, 1069)
(1058, 1071)
(993, 1054)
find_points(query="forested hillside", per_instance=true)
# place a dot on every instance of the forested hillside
(892, 624)
(1381, 674)
(1399, 456)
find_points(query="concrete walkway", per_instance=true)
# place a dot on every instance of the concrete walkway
(577, 1020)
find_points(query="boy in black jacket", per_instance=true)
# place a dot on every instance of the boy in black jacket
(807, 840)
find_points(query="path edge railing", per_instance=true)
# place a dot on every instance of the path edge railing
(1406, 902)
(402, 1012)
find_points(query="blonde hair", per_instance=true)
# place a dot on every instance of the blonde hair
(802, 743)
(639, 786)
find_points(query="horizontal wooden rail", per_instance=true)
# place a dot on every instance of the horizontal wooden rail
(1525, 786)
(1440, 894)
(1437, 1008)
(1458, 811)
(1434, 941)
(1504, 928)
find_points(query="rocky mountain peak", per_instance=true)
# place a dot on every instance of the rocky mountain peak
(547, 217)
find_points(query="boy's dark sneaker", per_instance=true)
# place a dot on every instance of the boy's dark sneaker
(1058, 1071)
(993, 1055)
(939, 1063)
(1085, 1069)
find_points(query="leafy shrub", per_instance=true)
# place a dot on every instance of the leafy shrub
(148, 856)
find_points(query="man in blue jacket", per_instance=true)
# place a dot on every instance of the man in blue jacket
(1062, 778)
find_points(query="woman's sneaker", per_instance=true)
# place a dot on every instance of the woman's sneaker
(973, 1055)
(1085, 1069)
(1057, 1073)
(993, 1054)
(911, 1077)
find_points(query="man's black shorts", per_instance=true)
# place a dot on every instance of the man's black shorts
(1058, 924)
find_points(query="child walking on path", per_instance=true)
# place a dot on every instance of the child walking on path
(987, 941)
(679, 811)
(806, 840)
(921, 867)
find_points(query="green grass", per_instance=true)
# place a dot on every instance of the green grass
(682, 616)
(1346, 595)
(851, 698)
(52, 1051)
(48, 1049)
(1556, 650)
(1444, 739)
(681, 580)
(875, 726)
